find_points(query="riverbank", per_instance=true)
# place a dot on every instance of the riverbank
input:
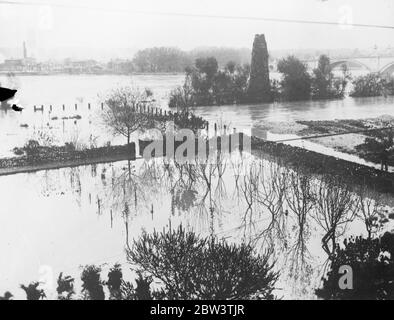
(353, 142)
(59, 157)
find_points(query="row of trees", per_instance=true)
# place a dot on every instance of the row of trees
(170, 59)
(298, 84)
(207, 84)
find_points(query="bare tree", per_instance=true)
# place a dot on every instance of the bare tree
(369, 205)
(124, 111)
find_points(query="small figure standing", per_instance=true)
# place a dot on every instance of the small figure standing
(384, 158)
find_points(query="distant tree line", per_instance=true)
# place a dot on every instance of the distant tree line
(170, 59)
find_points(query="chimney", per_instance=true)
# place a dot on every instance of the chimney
(24, 50)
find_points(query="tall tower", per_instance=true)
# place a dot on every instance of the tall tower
(24, 50)
(259, 89)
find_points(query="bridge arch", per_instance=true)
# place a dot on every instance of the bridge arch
(387, 70)
(336, 64)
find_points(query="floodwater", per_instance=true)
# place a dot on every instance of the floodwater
(59, 90)
(54, 221)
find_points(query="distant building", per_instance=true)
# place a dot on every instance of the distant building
(26, 64)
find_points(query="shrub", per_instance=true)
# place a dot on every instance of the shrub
(190, 267)
(324, 84)
(7, 296)
(65, 287)
(32, 148)
(92, 285)
(371, 85)
(296, 82)
(18, 151)
(373, 270)
(32, 291)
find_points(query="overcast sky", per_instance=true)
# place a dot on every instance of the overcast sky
(120, 25)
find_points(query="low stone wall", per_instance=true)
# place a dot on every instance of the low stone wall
(50, 155)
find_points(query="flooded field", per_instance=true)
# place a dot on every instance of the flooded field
(90, 214)
(61, 126)
(55, 221)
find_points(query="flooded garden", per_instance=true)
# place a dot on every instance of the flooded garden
(57, 221)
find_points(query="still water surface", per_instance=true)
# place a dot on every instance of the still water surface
(57, 220)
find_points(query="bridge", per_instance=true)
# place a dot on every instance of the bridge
(381, 65)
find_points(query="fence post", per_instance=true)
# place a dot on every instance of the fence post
(76, 107)
(89, 106)
(64, 107)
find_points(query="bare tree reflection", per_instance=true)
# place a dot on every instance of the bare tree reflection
(369, 203)
(300, 200)
(336, 207)
(271, 190)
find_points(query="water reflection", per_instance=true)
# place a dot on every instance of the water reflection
(89, 214)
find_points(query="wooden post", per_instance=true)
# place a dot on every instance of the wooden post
(35, 109)
(50, 108)
(89, 106)
(76, 107)
(64, 107)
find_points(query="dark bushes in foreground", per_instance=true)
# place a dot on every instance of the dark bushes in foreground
(190, 267)
(184, 265)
